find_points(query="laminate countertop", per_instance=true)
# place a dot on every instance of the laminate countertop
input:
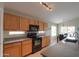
(62, 50)
(12, 40)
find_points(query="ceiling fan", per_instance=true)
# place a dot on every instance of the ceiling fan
(46, 6)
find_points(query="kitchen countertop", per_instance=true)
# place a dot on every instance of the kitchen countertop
(12, 40)
(16, 39)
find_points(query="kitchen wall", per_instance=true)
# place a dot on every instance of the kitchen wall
(48, 33)
(6, 35)
(1, 30)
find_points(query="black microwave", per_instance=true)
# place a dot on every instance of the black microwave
(33, 27)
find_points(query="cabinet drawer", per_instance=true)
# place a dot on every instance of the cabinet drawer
(12, 44)
(27, 41)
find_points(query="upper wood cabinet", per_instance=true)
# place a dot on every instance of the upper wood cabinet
(11, 22)
(24, 23)
(34, 22)
(12, 50)
(26, 47)
(41, 27)
(45, 26)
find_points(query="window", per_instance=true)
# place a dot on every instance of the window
(53, 31)
(71, 29)
(67, 29)
(63, 30)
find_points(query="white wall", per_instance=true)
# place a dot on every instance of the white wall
(48, 33)
(1, 32)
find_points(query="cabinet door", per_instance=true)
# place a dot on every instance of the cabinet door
(12, 50)
(26, 47)
(44, 42)
(48, 40)
(24, 23)
(36, 22)
(32, 22)
(40, 26)
(45, 26)
(11, 22)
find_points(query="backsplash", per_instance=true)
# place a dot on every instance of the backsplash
(6, 35)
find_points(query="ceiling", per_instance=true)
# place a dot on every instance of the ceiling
(62, 11)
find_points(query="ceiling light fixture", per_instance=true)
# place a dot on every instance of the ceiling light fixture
(46, 6)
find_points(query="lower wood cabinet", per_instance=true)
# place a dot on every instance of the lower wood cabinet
(45, 41)
(48, 40)
(18, 49)
(26, 47)
(22, 48)
(12, 50)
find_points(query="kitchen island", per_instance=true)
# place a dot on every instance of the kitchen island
(62, 50)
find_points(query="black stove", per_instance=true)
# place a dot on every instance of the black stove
(36, 40)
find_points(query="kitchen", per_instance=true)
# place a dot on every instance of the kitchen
(40, 29)
(22, 45)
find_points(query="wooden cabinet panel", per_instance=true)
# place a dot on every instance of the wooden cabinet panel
(36, 22)
(45, 41)
(48, 40)
(24, 23)
(40, 25)
(12, 50)
(26, 47)
(32, 22)
(45, 26)
(11, 22)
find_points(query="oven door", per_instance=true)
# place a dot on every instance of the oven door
(37, 44)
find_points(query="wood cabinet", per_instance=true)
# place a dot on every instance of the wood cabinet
(11, 22)
(41, 26)
(26, 47)
(12, 50)
(48, 40)
(18, 49)
(45, 26)
(34, 22)
(24, 23)
(45, 41)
